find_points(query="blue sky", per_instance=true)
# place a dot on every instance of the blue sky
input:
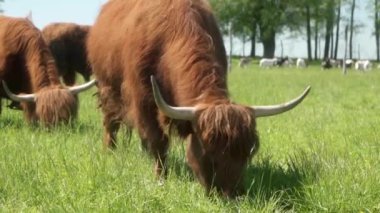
(85, 12)
(47, 11)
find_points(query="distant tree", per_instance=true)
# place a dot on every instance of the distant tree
(308, 31)
(352, 20)
(1, 10)
(262, 20)
(226, 12)
(245, 24)
(337, 22)
(273, 17)
(321, 21)
(237, 16)
(316, 34)
(329, 19)
(316, 19)
(310, 13)
(377, 28)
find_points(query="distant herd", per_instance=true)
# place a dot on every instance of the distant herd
(160, 68)
(361, 65)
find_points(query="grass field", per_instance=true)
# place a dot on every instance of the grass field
(324, 156)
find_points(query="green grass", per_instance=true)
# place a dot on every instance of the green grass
(324, 156)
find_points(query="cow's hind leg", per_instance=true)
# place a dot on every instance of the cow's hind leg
(110, 103)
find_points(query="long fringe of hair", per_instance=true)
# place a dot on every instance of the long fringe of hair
(52, 107)
(56, 105)
(230, 129)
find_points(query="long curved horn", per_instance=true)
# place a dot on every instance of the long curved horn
(18, 98)
(261, 111)
(80, 88)
(180, 113)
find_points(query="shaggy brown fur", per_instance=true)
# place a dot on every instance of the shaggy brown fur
(27, 66)
(65, 108)
(177, 41)
(67, 42)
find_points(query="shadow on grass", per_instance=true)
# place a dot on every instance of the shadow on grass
(7, 122)
(179, 168)
(265, 180)
(284, 183)
(177, 160)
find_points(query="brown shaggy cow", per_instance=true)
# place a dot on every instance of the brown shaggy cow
(27, 66)
(67, 42)
(179, 43)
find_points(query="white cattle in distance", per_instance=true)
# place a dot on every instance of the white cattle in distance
(289, 62)
(363, 65)
(349, 63)
(301, 63)
(268, 62)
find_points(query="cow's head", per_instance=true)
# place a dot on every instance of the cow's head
(224, 138)
(50, 105)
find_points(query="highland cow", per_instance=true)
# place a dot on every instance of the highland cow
(67, 42)
(27, 67)
(139, 48)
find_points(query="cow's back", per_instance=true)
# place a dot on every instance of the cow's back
(176, 41)
(135, 33)
(13, 32)
(67, 42)
(20, 41)
(106, 39)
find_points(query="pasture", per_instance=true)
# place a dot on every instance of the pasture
(323, 156)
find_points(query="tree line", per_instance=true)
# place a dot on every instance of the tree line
(1, 10)
(261, 21)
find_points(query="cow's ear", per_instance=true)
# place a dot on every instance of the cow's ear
(29, 16)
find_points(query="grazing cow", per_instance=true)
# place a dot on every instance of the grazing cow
(244, 61)
(349, 63)
(330, 63)
(283, 61)
(301, 63)
(338, 63)
(288, 62)
(67, 42)
(363, 65)
(326, 64)
(268, 62)
(178, 43)
(27, 66)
